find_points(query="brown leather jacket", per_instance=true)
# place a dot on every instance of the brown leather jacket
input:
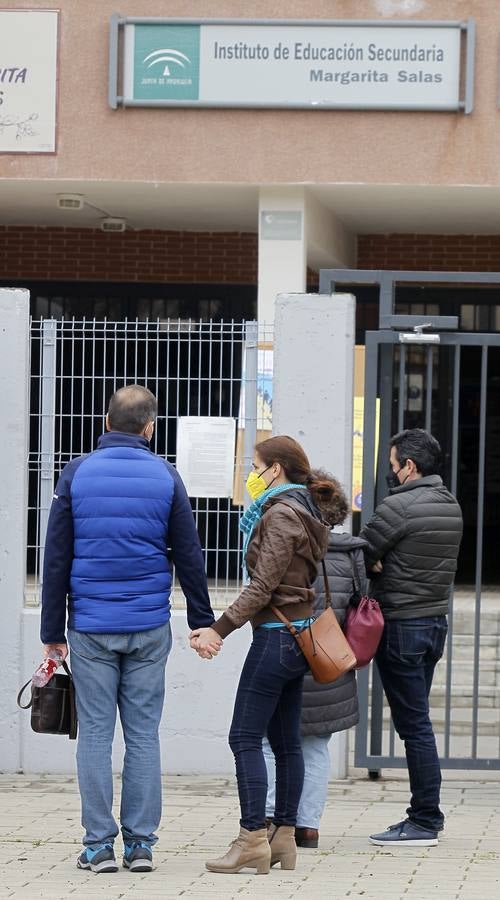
(282, 558)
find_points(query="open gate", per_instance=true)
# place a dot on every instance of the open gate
(427, 373)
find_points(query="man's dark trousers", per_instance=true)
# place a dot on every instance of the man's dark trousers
(406, 659)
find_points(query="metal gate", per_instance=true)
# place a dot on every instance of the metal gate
(194, 368)
(423, 372)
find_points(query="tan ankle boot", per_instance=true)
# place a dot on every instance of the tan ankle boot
(283, 846)
(250, 850)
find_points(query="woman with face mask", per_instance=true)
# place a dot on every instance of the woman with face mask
(285, 536)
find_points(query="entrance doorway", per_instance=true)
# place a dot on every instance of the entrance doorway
(477, 308)
(430, 373)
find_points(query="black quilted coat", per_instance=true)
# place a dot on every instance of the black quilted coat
(327, 708)
(416, 533)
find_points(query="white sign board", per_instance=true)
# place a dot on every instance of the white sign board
(357, 65)
(28, 80)
(205, 455)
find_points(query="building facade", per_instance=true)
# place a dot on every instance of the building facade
(173, 169)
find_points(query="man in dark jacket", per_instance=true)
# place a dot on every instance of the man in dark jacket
(413, 542)
(115, 513)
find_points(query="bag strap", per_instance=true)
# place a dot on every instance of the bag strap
(355, 573)
(66, 668)
(73, 720)
(328, 602)
(21, 692)
(73, 723)
(292, 629)
(28, 705)
(328, 595)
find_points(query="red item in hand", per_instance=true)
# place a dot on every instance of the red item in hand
(46, 670)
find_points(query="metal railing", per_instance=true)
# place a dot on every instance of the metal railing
(194, 368)
(465, 698)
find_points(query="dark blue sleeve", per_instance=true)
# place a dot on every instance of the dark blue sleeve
(187, 556)
(58, 559)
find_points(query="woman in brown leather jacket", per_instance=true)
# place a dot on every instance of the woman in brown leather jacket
(284, 539)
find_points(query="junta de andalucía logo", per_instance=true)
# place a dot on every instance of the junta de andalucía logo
(166, 58)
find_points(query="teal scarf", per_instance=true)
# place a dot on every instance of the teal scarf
(254, 514)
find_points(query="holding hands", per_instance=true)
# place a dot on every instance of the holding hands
(206, 642)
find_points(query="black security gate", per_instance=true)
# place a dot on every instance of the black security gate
(421, 371)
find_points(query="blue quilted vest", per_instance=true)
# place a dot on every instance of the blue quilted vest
(121, 580)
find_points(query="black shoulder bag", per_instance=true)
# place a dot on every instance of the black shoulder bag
(53, 707)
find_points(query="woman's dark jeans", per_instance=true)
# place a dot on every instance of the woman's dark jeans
(269, 701)
(406, 659)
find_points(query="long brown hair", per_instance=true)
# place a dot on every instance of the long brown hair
(325, 489)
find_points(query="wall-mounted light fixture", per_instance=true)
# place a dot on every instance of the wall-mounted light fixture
(70, 201)
(113, 223)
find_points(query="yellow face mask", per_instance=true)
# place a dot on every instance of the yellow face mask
(256, 484)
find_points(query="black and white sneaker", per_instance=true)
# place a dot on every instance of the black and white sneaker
(405, 834)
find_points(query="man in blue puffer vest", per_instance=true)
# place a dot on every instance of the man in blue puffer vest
(114, 514)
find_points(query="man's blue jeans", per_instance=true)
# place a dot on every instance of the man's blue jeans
(269, 701)
(124, 672)
(406, 659)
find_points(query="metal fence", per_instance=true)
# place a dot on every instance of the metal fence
(194, 368)
(452, 377)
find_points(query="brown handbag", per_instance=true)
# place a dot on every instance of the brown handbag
(323, 642)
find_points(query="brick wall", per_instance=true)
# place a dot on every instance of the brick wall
(87, 254)
(92, 255)
(439, 252)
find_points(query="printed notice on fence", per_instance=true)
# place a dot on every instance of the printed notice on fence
(205, 455)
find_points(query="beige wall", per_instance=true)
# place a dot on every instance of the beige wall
(266, 146)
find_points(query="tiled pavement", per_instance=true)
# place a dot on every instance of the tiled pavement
(40, 835)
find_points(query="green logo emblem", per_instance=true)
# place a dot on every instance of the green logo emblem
(167, 62)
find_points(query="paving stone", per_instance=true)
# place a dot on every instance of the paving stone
(200, 820)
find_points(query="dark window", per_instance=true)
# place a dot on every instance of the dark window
(117, 300)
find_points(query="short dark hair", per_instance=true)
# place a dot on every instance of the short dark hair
(131, 408)
(421, 447)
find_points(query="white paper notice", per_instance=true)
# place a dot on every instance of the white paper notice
(205, 455)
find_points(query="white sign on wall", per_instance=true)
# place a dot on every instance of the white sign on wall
(28, 80)
(205, 454)
(330, 65)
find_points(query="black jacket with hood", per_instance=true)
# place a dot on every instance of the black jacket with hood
(328, 708)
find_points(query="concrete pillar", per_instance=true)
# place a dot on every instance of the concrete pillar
(282, 248)
(313, 389)
(14, 375)
(296, 231)
(329, 244)
(313, 380)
